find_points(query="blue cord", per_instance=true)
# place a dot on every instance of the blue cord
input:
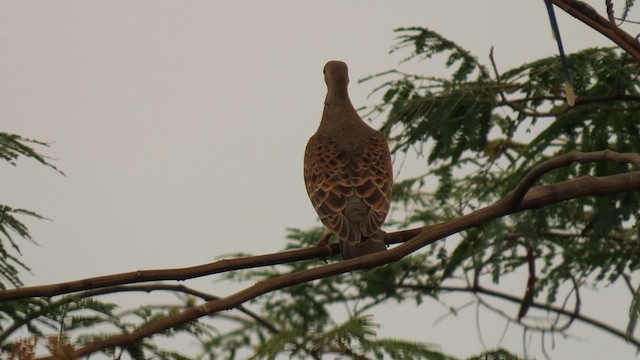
(563, 58)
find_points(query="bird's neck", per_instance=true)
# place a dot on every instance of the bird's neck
(341, 121)
(338, 107)
(337, 93)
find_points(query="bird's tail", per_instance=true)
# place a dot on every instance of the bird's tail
(365, 247)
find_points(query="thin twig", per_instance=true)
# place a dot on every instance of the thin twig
(17, 324)
(514, 299)
(531, 282)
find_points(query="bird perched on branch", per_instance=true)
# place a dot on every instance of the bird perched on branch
(348, 171)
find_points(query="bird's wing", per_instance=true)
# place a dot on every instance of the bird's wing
(333, 177)
(326, 176)
(372, 176)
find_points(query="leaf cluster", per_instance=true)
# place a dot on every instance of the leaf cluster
(481, 131)
(13, 147)
(81, 319)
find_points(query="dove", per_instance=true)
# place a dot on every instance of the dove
(348, 171)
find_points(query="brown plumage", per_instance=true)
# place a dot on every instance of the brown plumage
(347, 171)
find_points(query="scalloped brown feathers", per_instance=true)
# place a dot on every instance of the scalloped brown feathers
(348, 171)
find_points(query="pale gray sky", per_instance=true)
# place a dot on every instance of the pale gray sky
(181, 127)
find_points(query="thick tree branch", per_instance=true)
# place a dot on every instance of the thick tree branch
(568, 158)
(534, 198)
(180, 289)
(537, 197)
(169, 274)
(589, 16)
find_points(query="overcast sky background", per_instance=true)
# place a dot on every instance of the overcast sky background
(181, 127)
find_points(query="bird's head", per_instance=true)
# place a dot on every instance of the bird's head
(336, 75)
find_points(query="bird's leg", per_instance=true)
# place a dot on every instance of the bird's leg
(324, 240)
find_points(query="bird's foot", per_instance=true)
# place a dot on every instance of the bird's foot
(324, 241)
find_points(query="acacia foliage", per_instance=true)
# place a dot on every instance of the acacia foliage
(483, 129)
(12, 147)
(477, 131)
